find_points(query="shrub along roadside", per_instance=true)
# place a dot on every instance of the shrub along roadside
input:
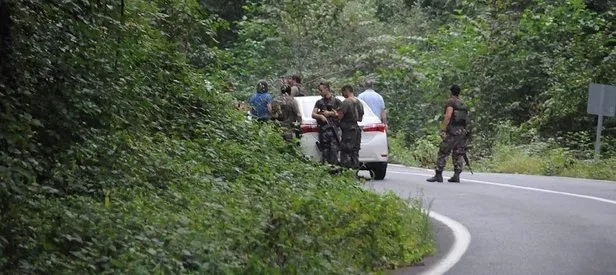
(117, 157)
(201, 206)
(538, 158)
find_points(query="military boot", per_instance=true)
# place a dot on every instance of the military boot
(456, 177)
(438, 177)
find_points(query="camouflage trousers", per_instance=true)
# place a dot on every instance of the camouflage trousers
(328, 144)
(349, 146)
(455, 145)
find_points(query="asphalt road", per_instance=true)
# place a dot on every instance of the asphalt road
(518, 224)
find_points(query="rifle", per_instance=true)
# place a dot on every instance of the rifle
(466, 147)
(468, 139)
(331, 127)
(467, 163)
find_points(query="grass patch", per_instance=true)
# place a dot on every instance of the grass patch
(538, 158)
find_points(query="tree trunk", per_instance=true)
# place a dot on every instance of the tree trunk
(6, 46)
(7, 73)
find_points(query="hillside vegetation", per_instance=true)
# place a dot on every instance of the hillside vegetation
(121, 153)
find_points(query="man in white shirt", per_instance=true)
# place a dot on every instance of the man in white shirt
(374, 101)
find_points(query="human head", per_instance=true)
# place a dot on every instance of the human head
(295, 80)
(262, 86)
(347, 91)
(368, 84)
(324, 89)
(285, 89)
(455, 90)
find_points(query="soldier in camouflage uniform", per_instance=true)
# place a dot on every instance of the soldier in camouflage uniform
(325, 112)
(454, 135)
(286, 113)
(351, 112)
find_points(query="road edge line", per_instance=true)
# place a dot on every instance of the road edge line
(513, 186)
(504, 174)
(462, 239)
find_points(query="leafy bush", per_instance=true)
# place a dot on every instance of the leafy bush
(423, 152)
(117, 157)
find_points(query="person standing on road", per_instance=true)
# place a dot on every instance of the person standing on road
(325, 112)
(375, 101)
(261, 102)
(351, 112)
(454, 135)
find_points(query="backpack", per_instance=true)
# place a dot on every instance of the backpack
(460, 115)
(278, 108)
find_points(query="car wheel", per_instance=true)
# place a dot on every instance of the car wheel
(379, 170)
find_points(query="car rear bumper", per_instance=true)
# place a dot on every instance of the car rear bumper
(373, 151)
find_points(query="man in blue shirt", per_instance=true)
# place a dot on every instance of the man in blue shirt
(261, 102)
(374, 101)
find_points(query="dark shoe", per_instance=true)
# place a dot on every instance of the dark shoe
(438, 177)
(455, 178)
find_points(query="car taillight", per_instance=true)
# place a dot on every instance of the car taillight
(309, 128)
(378, 127)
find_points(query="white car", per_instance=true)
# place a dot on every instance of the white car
(373, 152)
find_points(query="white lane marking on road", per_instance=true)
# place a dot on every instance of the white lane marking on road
(521, 187)
(569, 178)
(462, 239)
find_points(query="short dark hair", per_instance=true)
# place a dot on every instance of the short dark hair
(296, 78)
(455, 90)
(324, 83)
(347, 88)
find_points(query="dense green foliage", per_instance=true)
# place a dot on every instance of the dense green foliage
(120, 154)
(525, 65)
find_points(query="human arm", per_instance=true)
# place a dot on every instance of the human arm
(383, 113)
(320, 110)
(384, 117)
(316, 115)
(446, 120)
(360, 111)
(315, 112)
(343, 109)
